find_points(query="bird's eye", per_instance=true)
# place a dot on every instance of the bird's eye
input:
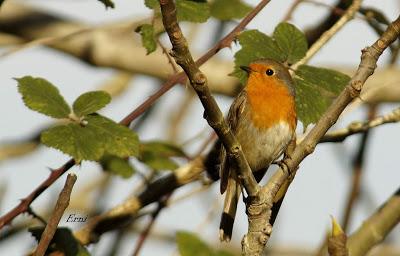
(269, 72)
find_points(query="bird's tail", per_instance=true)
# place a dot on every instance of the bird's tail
(228, 215)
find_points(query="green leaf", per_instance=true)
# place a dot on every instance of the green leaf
(156, 162)
(63, 241)
(79, 142)
(229, 9)
(107, 3)
(40, 95)
(162, 148)
(117, 165)
(316, 88)
(151, 3)
(156, 155)
(117, 139)
(148, 38)
(191, 10)
(255, 45)
(189, 244)
(90, 102)
(292, 41)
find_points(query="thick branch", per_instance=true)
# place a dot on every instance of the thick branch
(177, 78)
(198, 81)
(366, 68)
(376, 228)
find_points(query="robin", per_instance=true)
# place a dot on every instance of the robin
(263, 119)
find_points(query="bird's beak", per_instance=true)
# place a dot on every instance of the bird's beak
(246, 68)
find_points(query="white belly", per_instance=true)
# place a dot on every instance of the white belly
(262, 148)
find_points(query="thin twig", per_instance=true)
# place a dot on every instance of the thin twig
(61, 205)
(143, 236)
(174, 79)
(358, 163)
(291, 10)
(361, 127)
(327, 35)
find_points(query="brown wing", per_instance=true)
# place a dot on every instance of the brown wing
(234, 113)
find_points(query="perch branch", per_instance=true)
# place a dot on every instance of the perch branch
(254, 242)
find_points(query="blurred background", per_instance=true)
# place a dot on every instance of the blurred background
(320, 190)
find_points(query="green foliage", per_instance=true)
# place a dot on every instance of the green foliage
(117, 165)
(148, 37)
(86, 138)
(117, 139)
(255, 45)
(288, 44)
(107, 3)
(187, 10)
(77, 141)
(63, 241)
(157, 155)
(316, 88)
(291, 41)
(90, 102)
(40, 95)
(192, 10)
(229, 9)
(190, 244)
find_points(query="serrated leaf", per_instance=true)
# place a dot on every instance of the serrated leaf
(40, 95)
(63, 241)
(191, 10)
(148, 39)
(107, 3)
(229, 9)
(151, 3)
(189, 244)
(255, 45)
(90, 102)
(292, 41)
(316, 88)
(118, 140)
(77, 141)
(117, 165)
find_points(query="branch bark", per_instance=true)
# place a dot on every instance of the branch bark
(369, 57)
(376, 228)
(361, 127)
(61, 205)
(172, 80)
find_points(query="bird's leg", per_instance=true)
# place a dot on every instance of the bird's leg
(287, 156)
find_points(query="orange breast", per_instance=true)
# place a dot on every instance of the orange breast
(270, 102)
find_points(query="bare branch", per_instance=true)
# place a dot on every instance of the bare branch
(361, 127)
(376, 227)
(61, 205)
